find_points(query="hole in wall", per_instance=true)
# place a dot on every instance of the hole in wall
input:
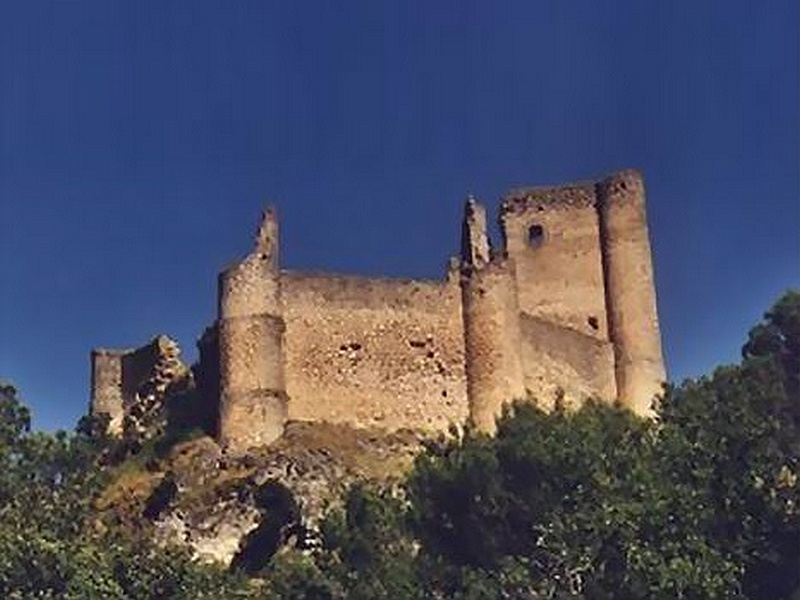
(350, 346)
(593, 323)
(535, 236)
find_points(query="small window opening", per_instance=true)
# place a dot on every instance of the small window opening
(535, 236)
(593, 323)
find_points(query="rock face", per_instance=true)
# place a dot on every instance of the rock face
(219, 504)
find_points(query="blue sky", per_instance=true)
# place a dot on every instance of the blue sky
(139, 140)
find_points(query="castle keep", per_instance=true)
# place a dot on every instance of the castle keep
(564, 306)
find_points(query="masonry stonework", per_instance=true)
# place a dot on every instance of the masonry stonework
(127, 384)
(562, 309)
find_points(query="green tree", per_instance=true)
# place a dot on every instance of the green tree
(368, 549)
(730, 443)
(597, 503)
(560, 504)
(49, 546)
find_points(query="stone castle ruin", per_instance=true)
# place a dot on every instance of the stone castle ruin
(564, 307)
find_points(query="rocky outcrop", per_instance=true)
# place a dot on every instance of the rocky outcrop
(220, 505)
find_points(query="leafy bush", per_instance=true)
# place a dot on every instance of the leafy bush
(596, 503)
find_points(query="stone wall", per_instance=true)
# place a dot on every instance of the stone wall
(106, 397)
(129, 385)
(253, 402)
(560, 361)
(374, 352)
(492, 340)
(553, 235)
(564, 306)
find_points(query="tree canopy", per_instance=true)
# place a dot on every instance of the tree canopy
(703, 501)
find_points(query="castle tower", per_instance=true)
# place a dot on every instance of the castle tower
(491, 323)
(253, 401)
(630, 291)
(553, 236)
(107, 395)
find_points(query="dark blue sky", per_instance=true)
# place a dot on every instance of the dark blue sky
(138, 141)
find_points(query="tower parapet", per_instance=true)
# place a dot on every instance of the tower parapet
(253, 400)
(630, 291)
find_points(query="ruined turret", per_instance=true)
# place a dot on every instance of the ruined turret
(253, 401)
(130, 386)
(491, 323)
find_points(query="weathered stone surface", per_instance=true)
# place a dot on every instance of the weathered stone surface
(319, 381)
(131, 386)
(564, 304)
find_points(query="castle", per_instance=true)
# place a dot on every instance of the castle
(564, 307)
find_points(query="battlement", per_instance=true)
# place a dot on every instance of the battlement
(540, 198)
(563, 307)
(625, 184)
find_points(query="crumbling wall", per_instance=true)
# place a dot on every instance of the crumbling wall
(130, 386)
(374, 352)
(559, 361)
(207, 380)
(147, 373)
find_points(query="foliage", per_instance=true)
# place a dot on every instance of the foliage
(368, 546)
(731, 441)
(595, 503)
(561, 504)
(49, 546)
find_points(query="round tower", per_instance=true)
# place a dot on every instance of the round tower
(253, 401)
(630, 291)
(491, 324)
